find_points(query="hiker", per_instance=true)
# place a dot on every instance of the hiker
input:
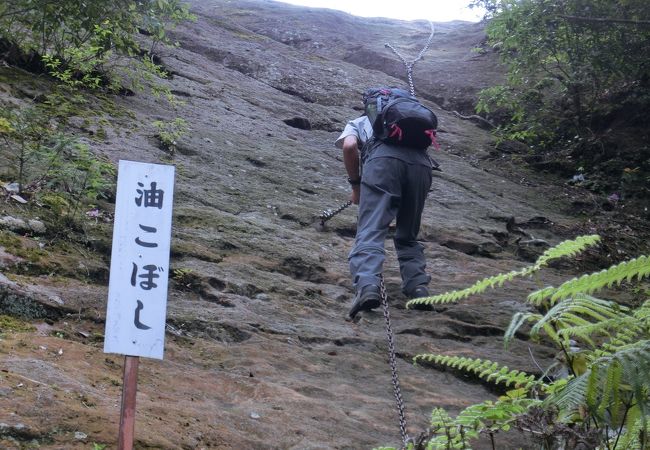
(393, 184)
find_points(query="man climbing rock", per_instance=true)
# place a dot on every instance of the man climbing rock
(393, 184)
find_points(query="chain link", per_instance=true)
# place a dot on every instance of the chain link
(409, 64)
(393, 365)
(328, 213)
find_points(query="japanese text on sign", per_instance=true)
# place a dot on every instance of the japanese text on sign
(137, 290)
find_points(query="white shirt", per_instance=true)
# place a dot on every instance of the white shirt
(362, 129)
(359, 127)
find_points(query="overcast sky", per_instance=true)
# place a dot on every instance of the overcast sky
(434, 10)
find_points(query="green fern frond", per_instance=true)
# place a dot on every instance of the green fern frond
(642, 314)
(571, 396)
(625, 371)
(585, 333)
(635, 432)
(590, 283)
(446, 430)
(494, 416)
(565, 248)
(581, 311)
(477, 288)
(609, 384)
(483, 369)
(518, 319)
(627, 331)
(470, 423)
(440, 419)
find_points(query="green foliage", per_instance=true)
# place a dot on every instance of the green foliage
(9, 323)
(77, 43)
(604, 396)
(576, 317)
(78, 66)
(564, 249)
(77, 175)
(169, 133)
(568, 61)
(186, 279)
(639, 268)
(489, 418)
(5, 126)
(613, 392)
(56, 170)
(483, 418)
(484, 369)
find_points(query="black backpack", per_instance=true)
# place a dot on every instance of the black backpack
(398, 118)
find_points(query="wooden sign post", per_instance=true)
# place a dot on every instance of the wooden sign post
(127, 412)
(137, 290)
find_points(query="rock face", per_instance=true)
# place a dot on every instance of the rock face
(258, 354)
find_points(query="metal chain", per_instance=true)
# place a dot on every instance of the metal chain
(409, 64)
(393, 365)
(328, 213)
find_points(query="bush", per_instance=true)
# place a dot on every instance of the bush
(598, 399)
(55, 169)
(76, 44)
(569, 64)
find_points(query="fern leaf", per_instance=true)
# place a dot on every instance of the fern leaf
(629, 331)
(585, 332)
(624, 371)
(571, 396)
(538, 297)
(635, 432)
(592, 391)
(565, 248)
(590, 283)
(440, 418)
(579, 312)
(482, 368)
(518, 319)
(643, 315)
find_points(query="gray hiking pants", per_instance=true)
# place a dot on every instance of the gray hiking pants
(390, 189)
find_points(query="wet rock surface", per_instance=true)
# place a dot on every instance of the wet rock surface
(258, 354)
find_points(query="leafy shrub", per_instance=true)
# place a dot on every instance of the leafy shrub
(599, 398)
(168, 133)
(78, 43)
(569, 62)
(57, 170)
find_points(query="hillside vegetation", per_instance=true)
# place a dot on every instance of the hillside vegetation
(577, 91)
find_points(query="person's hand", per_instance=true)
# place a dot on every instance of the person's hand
(354, 196)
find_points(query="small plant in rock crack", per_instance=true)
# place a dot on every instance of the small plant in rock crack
(599, 395)
(186, 279)
(168, 133)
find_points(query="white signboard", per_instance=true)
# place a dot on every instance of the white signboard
(137, 290)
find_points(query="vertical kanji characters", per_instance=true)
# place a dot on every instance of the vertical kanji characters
(145, 198)
(149, 197)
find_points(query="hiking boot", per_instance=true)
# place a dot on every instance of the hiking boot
(369, 298)
(419, 292)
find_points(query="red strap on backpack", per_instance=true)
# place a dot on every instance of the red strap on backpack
(395, 130)
(432, 136)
